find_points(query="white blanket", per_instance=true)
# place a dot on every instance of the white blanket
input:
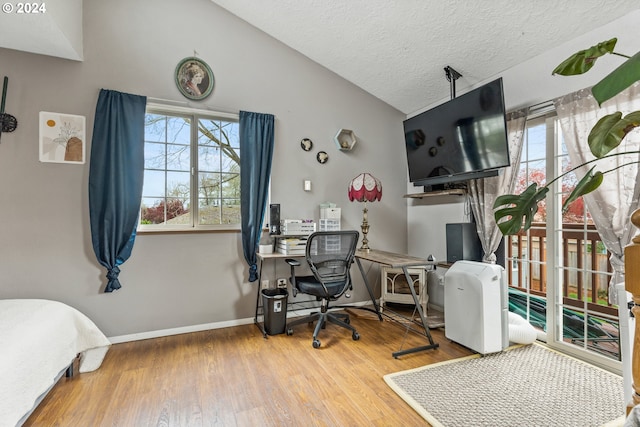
(38, 340)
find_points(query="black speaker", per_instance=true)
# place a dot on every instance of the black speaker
(274, 218)
(463, 242)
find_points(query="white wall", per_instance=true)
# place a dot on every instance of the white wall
(526, 84)
(179, 280)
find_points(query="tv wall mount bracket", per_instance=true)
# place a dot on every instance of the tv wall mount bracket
(452, 75)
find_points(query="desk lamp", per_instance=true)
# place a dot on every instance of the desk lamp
(365, 188)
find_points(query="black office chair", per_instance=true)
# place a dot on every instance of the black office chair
(329, 255)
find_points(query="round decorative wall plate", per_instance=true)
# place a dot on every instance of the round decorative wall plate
(194, 78)
(322, 157)
(306, 144)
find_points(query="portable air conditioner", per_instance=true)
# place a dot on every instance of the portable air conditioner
(476, 306)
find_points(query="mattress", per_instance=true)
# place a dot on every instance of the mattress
(39, 340)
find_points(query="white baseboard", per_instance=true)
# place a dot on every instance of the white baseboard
(176, 331)
(205, 327)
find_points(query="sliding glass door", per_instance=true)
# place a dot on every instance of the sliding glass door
(527, 252)
(559, 270)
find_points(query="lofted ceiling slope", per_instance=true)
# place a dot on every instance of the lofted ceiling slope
(394, 50)
(397, 50)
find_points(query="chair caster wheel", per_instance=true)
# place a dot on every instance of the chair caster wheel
(316, 343)
(356, 336)
(290, 331)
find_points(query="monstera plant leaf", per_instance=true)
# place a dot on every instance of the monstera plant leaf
(587, 184)
(581, 62)
(610, 130)
(514, 212)
(618, 80)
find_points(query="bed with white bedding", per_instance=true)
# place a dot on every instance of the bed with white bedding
(39, 340)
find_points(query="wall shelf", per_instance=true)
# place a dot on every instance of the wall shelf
(452, 192)
(345, 139)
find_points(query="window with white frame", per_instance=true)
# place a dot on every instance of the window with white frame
(191, 170)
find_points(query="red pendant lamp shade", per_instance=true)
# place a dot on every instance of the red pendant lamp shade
(365, 188)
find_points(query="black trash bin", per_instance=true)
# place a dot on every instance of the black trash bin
(274, 305)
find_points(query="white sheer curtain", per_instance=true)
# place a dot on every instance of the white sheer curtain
(613, 202)
(484, 191)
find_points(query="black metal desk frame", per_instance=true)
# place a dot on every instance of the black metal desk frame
(403, 262)
(375, 256)
(276, 256)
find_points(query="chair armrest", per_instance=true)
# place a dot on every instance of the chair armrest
(292, 262)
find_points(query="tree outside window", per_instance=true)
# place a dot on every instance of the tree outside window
(192, 171)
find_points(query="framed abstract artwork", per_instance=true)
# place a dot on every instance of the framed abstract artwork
(62, 138)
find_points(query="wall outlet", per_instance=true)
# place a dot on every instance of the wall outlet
(282, 283)
(265, 284)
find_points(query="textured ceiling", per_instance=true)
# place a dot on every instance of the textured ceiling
(397, 50)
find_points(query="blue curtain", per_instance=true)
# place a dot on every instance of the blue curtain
(256, 152)
(116, 172)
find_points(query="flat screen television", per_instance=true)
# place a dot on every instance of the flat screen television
(464, 138)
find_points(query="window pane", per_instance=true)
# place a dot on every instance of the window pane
(154, 184)
(159, 211)
(537, 172)
(154, 155)
(575, 213)
(209, 133)
(208, 213)
(155, 127)
(536, 142)
(230, 185)
(149, 215)
(178, 157)
(209, 187)
(179, 184)
(231, 211)
(177, 212)
(232, 130)
(208, 159)
(179, 130)
(230, 161)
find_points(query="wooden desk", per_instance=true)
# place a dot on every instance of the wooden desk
(403, 262)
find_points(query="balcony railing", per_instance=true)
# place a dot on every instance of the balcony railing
(578, 240)
(585, 282)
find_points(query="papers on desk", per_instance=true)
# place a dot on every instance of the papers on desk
(297, 226)
(292, 246)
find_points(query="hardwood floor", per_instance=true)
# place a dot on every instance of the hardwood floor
(235, 377)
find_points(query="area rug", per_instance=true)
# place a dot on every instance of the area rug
(522, 386)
